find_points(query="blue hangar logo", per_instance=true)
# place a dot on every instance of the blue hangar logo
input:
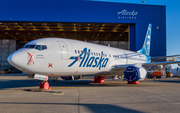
(87, 61)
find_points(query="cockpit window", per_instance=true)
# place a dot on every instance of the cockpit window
(29, 46)
(44, 47)
(41, 47)
(38, 47)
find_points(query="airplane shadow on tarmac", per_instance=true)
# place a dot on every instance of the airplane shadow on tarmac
(17, 83)
(95, 108)
(59, 83)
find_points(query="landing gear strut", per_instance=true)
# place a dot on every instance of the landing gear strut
(99, 79)
(44, 85)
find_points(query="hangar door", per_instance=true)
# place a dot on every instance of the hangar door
(6, 48)
(113, 34)
(109, 34)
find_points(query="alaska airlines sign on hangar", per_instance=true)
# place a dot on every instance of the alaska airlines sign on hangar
(125, 14)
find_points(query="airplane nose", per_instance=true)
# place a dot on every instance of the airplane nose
(16, 59)
(13, 59)
(9, 59)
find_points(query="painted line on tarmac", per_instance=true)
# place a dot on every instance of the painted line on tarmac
(12, 91)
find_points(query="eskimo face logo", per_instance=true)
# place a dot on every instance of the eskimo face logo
(85, 60)
(148, 44)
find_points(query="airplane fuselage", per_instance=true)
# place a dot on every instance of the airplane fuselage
(66, 57)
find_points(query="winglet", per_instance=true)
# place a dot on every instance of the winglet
(146, 47)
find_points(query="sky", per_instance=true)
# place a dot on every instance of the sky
(172, 21)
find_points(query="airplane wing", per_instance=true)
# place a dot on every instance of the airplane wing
(160, 63)
(163, 58)
(166, 56)
(122, 67)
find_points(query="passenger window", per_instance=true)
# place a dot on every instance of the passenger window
(75, 51)
(38, 47)
(44, 47)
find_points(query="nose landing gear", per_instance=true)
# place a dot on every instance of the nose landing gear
(44, 85)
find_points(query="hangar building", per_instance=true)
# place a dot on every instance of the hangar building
(121, 25)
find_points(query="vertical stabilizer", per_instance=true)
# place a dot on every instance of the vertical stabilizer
(146, 47)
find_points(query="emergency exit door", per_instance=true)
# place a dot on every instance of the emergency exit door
(64, 50)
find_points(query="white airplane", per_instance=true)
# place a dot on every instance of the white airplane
(66, 58)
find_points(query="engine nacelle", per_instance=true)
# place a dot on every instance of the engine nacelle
(133, 73)
(71, 78)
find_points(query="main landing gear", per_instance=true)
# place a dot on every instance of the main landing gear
(134, 82)
(44, 85)
(98, 79)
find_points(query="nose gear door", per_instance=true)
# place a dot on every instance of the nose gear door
(64, 50)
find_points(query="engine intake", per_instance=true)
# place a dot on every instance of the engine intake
(133, 73)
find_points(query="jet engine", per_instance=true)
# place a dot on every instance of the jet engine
(71, 77)
(133, 73)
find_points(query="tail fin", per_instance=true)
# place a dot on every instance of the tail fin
(146, 47)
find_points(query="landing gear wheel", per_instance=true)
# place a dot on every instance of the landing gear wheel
(44, 85)
(99, 79)
(135, 82)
